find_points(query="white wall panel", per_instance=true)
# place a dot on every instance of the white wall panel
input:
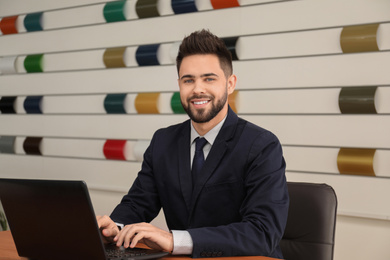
(14, 7)
(324, 160)
(93, 126)
(327, 130)
(164, 78)
(295, 101)
(368, 69)
(176, 26)
(105, 174)
(357, 131)
(72, 17)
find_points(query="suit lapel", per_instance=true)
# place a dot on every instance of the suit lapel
(184, 164)
(216, 153)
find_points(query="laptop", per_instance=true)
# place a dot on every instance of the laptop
(55, 220)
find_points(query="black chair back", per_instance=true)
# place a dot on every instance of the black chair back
(311, 222)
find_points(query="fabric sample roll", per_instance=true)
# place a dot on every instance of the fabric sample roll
(8, 25)
(7, 105)
(114, 11)
(183, 6)
(147, 8)
(32, 145)
(32, 104)
(33, 22)
(114, 103)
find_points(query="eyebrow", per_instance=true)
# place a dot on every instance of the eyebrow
(202, 76)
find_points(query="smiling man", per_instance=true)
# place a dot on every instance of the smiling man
(227, 197)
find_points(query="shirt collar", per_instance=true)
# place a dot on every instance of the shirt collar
(210, 135)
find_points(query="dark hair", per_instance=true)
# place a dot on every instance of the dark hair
(204, 42)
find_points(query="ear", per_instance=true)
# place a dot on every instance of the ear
(231, 83)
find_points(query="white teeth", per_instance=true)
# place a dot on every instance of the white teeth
(200, 103)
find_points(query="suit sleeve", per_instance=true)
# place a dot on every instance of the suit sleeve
(141, 203)
(264, 209)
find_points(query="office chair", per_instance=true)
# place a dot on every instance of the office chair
(311, 222)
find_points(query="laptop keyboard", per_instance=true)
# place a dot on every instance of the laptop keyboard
(120, 253)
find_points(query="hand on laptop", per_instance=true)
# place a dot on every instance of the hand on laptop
(146, 233)
(108, 228)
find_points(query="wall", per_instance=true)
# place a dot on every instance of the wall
(81, 94)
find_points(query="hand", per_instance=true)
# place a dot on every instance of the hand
(148, 234)
(108, 228)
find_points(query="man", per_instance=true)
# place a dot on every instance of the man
(237, 204)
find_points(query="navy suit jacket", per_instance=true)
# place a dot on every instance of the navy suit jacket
(239, 205)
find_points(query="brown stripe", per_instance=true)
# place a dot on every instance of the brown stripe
(356, 161)
(113, 57)
(31, 145)
(361, 38)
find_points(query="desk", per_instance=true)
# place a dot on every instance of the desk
(8, 251)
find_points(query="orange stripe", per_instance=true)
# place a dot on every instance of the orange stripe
(220, 4)
(147, 103)
(8, 25)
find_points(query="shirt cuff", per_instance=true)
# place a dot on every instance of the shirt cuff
(119, 225)
(182, 242)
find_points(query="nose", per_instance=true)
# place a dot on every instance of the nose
(198, 87)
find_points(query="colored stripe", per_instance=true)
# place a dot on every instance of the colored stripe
(233, 101)
(146, 55)
(147, 103)
(32, 145)
(114, 11)
(361, 38)
(34, 63)
(176, 105)
(357, 100)
(8, 25)
(32, 104)
(7, 144)
(147, 8)
(33, 22)
(183, 6)
(355, 161)
(8, 65)
(114, 149)
(231, 46)
(113, 57)
(220, 4)
(7, 105)
(114, 103)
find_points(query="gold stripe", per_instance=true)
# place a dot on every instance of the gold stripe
(113, 57)
(147, 103)
(356, 161)
(361, 38)
(233, 101)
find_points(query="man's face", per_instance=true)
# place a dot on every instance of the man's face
(204, 88)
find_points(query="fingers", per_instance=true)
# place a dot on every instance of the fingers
(108, 228)
(152, 236)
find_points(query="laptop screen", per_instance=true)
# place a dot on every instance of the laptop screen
(51, 219)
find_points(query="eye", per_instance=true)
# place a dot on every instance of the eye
(209, 79)
(187, 81)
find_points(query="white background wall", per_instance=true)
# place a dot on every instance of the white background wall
(291, 70)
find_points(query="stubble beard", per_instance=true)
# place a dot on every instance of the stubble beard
(202, 115)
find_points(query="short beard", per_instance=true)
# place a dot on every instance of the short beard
(201, 116)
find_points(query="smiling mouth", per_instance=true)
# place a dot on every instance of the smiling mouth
(200, 102)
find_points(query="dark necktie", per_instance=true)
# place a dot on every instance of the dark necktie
(198, 161)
